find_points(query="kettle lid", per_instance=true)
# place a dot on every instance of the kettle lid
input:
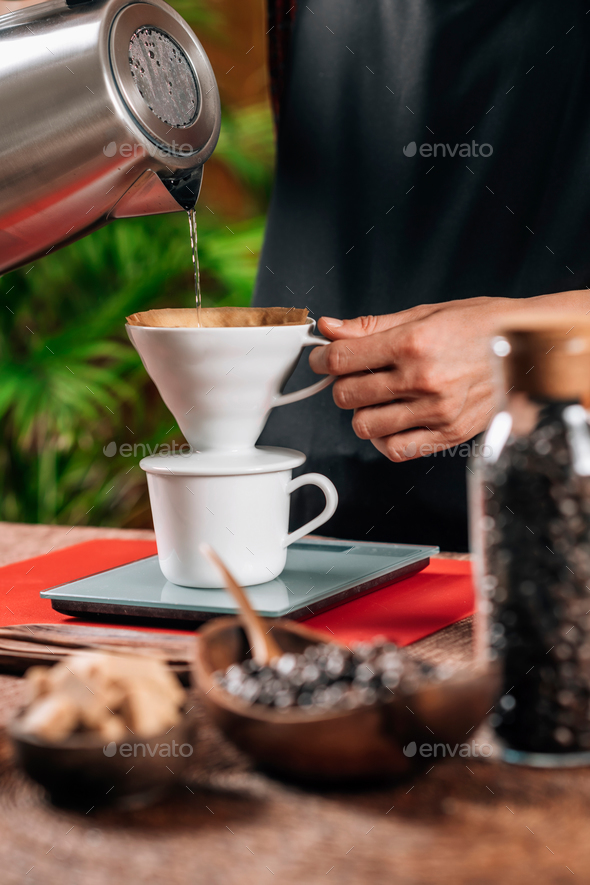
(166, 80)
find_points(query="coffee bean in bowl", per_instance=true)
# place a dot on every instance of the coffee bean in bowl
(326, 676)
(327, 715)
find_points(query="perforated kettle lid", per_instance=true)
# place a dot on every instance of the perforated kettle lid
(166, 79)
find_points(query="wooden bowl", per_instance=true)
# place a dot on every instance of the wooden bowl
(343, 745)
(81, 772)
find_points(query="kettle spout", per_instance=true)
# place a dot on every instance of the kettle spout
(186, 190)
(152, 195)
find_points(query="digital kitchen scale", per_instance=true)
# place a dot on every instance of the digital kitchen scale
(319, 575)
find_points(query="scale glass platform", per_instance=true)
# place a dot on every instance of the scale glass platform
(319, 575)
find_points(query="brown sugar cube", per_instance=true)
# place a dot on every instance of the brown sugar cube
(113, 729)
(38, 682)
(148, 713)
(52, 718)
(152, 674)
(121, 674)
(104, 693)
(90, 702)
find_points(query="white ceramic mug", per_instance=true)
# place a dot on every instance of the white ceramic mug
(221, 383)
(236, 502)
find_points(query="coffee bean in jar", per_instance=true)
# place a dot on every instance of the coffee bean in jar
(530, 510)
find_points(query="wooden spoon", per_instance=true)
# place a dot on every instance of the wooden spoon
(264, 647)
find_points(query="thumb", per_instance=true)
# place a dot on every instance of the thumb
(359, 327)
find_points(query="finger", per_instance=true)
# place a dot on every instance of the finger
(367, 388)
(370, 352)
(374, 422)
(412, 444)
(358, 327)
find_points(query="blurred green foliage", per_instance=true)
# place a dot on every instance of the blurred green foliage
(72, 389)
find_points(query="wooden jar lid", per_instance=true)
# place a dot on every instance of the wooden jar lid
(549, 355)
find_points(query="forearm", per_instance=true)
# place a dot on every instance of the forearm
(575, 301)
(490, 313)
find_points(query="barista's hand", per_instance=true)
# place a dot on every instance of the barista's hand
(420, 380)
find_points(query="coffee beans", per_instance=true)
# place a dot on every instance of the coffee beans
(327, 676)
(536, 540)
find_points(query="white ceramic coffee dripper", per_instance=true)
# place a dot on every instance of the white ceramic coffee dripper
(221, 383)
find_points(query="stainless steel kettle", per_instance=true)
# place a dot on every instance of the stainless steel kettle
(108, 109)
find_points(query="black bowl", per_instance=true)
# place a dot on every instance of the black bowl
(83, 773)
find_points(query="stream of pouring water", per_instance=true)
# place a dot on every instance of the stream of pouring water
(192, 223)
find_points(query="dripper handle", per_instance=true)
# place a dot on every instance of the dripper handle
(285, 398)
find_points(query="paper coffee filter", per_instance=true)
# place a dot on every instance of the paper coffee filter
(211, 317)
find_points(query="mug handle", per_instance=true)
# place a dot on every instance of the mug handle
(329, 490)
(285, 398)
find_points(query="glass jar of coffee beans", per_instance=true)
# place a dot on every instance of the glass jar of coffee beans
(530, 527)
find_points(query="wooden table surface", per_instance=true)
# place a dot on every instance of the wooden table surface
(467, 821)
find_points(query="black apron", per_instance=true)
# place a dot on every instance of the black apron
(428, 151)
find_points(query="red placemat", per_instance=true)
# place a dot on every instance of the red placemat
(440, 595)
(403, 612)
